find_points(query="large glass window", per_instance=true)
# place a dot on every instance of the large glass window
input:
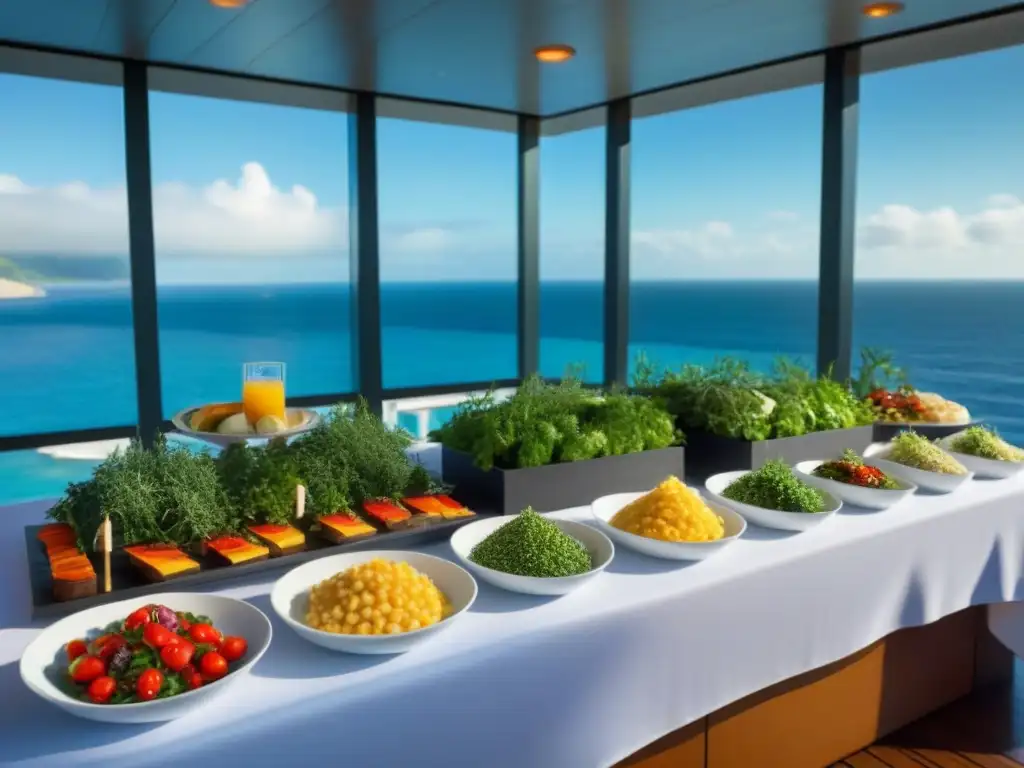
(447, 210)
(939, 273)
(250, 217)
(66, 341)
(572, 201)
(726, 195)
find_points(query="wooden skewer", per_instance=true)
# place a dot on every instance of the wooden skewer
(108, 545)
(300, 501)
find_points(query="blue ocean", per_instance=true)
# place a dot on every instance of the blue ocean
(67, 359)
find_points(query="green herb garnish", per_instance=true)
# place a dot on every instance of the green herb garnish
(774, 486)
(532, 546)
(985, 444)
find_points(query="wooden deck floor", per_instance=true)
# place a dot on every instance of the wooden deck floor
(985, 730)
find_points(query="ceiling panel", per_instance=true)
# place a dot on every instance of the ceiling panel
(474, 52)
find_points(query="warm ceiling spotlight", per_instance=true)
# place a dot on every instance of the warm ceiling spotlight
(552, 54)
(881, 10)
(228, 3)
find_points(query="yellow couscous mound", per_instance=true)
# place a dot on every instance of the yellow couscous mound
(671, 512)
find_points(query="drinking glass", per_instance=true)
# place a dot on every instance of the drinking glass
(262, 391)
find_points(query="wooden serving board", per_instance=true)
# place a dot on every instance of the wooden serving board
(127, 582)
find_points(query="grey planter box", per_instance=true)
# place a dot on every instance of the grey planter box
(709, 454)
(557, 486)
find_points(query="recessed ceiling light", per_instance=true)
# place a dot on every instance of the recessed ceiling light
(881, 10)
(552, 54)
(228, 3)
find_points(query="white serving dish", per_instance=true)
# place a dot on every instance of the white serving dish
(992, 468)
(597, 544)
(40, 668)
(300, 421)
(938, 482)
(869, 498)
(605, 508)
(769, 518)
(290, 597)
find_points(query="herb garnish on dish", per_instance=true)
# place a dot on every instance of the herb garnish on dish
(912, 450)
(774, 486)
(985, 444)
(852, 470)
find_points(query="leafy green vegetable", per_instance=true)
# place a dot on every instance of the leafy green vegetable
(878, 370)
(545, 423)
(167, 494)
(730, 400)
(774, 486)
(985, 444)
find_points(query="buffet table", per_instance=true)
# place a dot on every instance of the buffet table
(581, 681)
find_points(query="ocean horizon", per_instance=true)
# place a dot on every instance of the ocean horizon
(68, 357)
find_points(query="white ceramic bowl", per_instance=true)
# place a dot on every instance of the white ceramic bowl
(604, 510)
(290, 597)
(992, 468)
(938, 482)
(41, 670)
(869, 498)
(769, 518)
(597, 544)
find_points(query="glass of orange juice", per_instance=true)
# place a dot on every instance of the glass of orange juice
(262, 391)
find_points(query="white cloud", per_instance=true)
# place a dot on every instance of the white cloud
(249, 215)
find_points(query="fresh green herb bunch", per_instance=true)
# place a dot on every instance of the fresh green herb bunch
(774, 486)
(532, 546)
(352, 457)
(545, 423)
(878, 370)
(730, 400)
(167, 494)
(260, 481)
(985, 444)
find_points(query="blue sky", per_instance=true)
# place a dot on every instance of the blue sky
(727, 190)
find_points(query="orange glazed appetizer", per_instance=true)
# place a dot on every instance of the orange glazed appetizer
(388, 513)
(234, 550)
(70, 571)
(280, 539)
(159, 562)
(343, 527)
(445, 506)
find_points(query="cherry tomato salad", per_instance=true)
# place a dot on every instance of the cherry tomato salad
(154, 653)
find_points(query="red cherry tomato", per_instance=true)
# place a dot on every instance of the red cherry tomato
(213, 666)
(156, 635)
(148, 685)
(85, 669)
(138, 618)
(101, 689)
(76, 648)
(204, 633)
(184, 624)
(233, 648)
(176, 655)
(195, 681)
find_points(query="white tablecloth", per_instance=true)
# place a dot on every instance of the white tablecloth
(575, 682)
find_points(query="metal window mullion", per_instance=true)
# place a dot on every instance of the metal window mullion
(838, 211)
(528, 235)
(142, 254)
(364, 251)
(616, 255)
